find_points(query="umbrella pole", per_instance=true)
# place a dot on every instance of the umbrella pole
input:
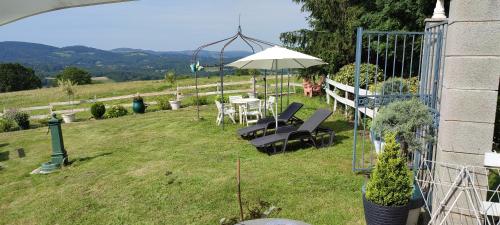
(281, 91)
(288, 89)
(254, 82)
(265, 93)
(276, 94)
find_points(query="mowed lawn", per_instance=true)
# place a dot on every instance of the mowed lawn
(165, 167)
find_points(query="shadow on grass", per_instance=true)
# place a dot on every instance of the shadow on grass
(4, 156)
(3, 144)
(88, 158)
(294, 146)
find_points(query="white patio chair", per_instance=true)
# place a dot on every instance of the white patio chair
(228, 110)
(252, 112)
(271, 104)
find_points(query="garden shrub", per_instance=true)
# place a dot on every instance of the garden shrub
(202, 100)
(404, 118)
(6, 124)
(21, 118)
(116, 111)
(391, 183)
(219, 98)
(346, 74)
(396, 85)
(97, 110)
(163, 103)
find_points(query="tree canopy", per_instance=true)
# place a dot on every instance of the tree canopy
(75, 75)
(15, 77)
(333, 24)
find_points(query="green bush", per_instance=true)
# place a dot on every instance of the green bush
(6, 125)
(97, 110)
(219, 98)
(202, 100)
(346, 74)
(404, 118)
(16, 77)
(116, 111)
(396, 85)
(391, 181)
(163, 103)
(21, 118)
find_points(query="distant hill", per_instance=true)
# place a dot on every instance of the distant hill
(119, 64)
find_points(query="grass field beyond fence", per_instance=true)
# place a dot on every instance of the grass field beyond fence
(165, 167)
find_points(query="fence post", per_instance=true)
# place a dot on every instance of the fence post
(346, 95)
(334, 99)
(327, 87)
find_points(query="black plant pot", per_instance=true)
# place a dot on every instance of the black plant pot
(384, 215)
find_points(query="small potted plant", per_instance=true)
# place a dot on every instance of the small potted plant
(68, 87)
(389, 190)
(138, 105)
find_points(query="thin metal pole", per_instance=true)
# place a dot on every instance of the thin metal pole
(221, 71)
(359, 41)
(281, 92)
(197, 97)
(276, 94)
(238, 181)
(288, 90)
(265, 92)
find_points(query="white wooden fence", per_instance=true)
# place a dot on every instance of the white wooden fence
(348, 91)
(270, 91)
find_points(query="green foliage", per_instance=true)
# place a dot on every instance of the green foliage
(76, 75)
(240, 72)
(347, 74)
(493, 184)
(116, 111)
(170, 77)
(67, 87)
(6, 124)
(219, 98)
(164, 103)
(15, 77)
(391, 183)
(202, 100)
(21, 118)
(333, 23)
(138, 98)
(396, 85)
(404, 118)
(97, 110)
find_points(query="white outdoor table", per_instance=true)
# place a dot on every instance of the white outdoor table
(241, 102)
(272, 222)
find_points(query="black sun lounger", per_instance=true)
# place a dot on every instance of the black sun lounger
(270, 123)
(307, 131)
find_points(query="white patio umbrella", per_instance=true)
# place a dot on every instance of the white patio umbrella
(276, 58)
(12, 10)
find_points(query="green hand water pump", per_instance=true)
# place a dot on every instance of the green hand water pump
(59, 155)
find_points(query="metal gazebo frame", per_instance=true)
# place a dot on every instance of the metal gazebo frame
(227, 41)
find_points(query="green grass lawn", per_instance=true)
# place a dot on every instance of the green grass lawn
(166, 168)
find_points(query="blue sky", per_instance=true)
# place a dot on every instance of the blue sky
(158, 24)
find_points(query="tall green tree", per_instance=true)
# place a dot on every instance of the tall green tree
(75, 75)
(15, 77)
(333, 24)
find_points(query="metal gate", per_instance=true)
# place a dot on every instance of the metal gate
(393, 66)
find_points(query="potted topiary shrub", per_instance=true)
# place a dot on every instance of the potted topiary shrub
(404, 118)
(97, 110)
(389, 190)
(138, 105)
(68, 87)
